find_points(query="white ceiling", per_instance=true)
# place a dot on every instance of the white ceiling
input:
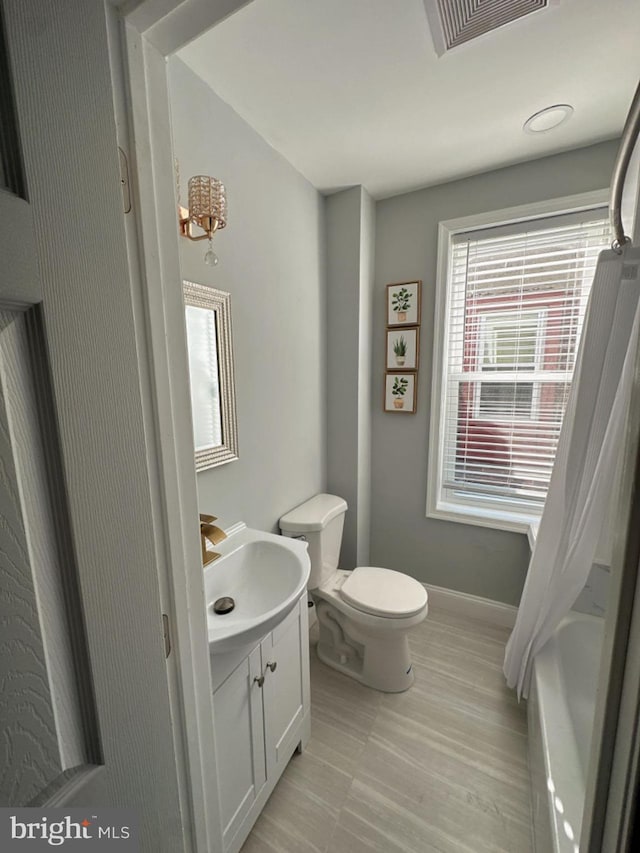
(352, 92)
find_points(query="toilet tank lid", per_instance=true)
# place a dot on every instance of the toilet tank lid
(313, 514)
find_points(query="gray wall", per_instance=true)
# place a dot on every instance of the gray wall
(291, 339)
(365, 388)
(475, 560)
(350, 223)
(272, 262)
(343, 306)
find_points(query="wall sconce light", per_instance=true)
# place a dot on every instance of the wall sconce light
(207, 210)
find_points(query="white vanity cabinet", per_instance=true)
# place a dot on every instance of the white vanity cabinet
(261, 715)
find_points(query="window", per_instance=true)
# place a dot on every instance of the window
(508, 343)
(511, 306)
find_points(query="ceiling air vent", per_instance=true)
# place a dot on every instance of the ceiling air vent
(454, 22)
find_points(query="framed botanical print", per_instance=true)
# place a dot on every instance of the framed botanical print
(403, 303)
(403, 347)
(400, 392)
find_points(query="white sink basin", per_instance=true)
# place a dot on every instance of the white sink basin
(264, 574)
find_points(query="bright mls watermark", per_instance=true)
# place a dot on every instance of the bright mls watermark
(34, 830)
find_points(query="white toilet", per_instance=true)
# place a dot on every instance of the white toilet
(365, 614)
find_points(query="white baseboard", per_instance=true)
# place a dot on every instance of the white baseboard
(483, 609)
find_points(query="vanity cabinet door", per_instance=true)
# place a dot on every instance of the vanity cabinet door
(239, 737)
(285, 663)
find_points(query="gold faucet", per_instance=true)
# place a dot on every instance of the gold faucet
(209, 532)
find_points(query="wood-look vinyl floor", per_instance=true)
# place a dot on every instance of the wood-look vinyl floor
(441, 768)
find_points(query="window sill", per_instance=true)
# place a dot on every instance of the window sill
(484, 517)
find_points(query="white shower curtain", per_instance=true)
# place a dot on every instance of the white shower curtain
(582, 481)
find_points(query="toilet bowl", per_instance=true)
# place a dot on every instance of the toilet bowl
(365, 614)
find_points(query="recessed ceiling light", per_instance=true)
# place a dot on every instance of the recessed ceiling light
(548, 118)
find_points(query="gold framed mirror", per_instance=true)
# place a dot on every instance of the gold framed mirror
(211, 374)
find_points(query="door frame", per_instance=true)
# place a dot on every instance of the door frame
(141, 37)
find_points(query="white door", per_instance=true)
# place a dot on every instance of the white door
(84, 702)
(239, 733)
(285, 663)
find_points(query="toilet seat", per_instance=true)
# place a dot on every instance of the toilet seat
(364, 631)
(383, 592)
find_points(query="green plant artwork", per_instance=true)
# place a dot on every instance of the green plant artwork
(401, 300)
(400, 385)
(400, 347)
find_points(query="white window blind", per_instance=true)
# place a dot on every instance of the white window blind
(516, 302)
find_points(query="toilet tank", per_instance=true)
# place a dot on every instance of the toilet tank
(320, 521)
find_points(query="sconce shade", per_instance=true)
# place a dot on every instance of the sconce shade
(207, 203)
(207, 210)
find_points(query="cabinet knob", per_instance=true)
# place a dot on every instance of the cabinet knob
(259, 679)
(272, 666)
